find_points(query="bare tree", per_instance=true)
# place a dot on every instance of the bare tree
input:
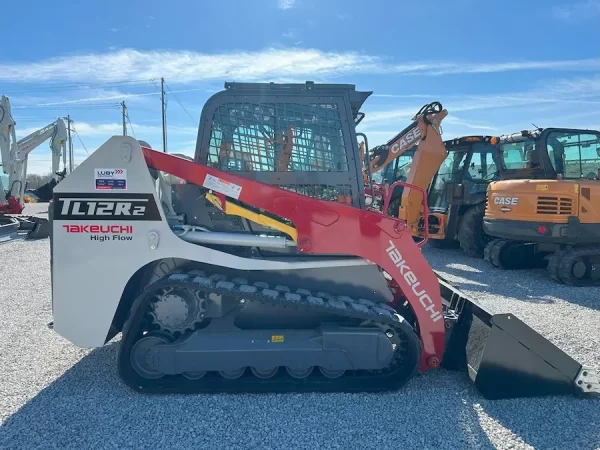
(35, 180)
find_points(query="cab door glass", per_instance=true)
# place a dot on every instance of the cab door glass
(574, 155)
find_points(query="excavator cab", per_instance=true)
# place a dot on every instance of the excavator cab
(457, 193)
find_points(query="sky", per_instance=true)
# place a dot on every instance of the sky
(497, 66)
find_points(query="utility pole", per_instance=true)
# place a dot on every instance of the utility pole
(124, 111)
(164, 114)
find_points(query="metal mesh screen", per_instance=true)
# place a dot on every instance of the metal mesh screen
(277, 137)
(340, 193)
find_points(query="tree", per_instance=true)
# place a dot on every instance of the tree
(35, 180)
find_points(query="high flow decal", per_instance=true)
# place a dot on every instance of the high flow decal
(413, 282)
(102, 233)
(222, 186)
(110, 179)
(105, 207)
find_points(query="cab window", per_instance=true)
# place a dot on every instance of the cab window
(574, 155)
(518, 155)
(482, 166)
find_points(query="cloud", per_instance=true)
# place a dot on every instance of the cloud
(579, 91)
(188, 66)
(580, 10)
(85, 129)
(286, 4)
(290, 34)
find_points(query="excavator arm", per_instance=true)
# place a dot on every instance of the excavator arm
(382, 155)
(430, 154)
(14, 153)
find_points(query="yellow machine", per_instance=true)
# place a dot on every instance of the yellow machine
(554, 219)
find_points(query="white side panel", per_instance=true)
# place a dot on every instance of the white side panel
(89, 274)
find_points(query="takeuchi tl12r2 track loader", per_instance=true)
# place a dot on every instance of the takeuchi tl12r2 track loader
(263, 280)
(551, 216)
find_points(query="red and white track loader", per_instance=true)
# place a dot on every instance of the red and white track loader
(272, 276)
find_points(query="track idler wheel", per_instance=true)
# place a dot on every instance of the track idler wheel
(140, 355)
(579, 267)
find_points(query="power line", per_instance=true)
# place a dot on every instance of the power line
(80, 140)
(131, 126)
(180, 104)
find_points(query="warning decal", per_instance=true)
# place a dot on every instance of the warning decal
(222, 186)
(110, 179)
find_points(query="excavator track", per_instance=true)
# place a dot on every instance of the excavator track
(141, 325)
(579, 266)
(512, 255)
(553, 263)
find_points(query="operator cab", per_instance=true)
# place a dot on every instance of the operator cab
(465, 173)
(551, 153)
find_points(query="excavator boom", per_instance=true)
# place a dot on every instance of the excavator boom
(383, 155)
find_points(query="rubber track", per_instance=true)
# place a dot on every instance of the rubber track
(553, 263)
(392, 378)
(494, 253)
(565, 264)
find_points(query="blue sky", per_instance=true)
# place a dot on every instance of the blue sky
(497, 66)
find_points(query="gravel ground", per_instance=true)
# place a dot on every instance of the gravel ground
(54, 395)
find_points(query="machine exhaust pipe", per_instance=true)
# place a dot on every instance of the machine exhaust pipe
(505, 358)
(190, 234)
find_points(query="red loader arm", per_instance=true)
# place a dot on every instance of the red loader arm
(333, 228)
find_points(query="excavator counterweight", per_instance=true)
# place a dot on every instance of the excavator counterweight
(265, 279)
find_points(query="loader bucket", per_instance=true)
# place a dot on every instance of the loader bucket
(40, 229)
(505, 358)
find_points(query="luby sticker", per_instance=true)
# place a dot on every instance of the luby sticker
(222, 186)
(110, 179)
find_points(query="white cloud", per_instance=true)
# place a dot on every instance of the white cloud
(580, 10)
(85, 129)
(584, 91)
(189, 66)
(286, 4)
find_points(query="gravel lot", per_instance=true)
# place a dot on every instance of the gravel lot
(54, 395)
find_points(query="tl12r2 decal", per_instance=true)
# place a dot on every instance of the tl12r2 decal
(106, 207)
